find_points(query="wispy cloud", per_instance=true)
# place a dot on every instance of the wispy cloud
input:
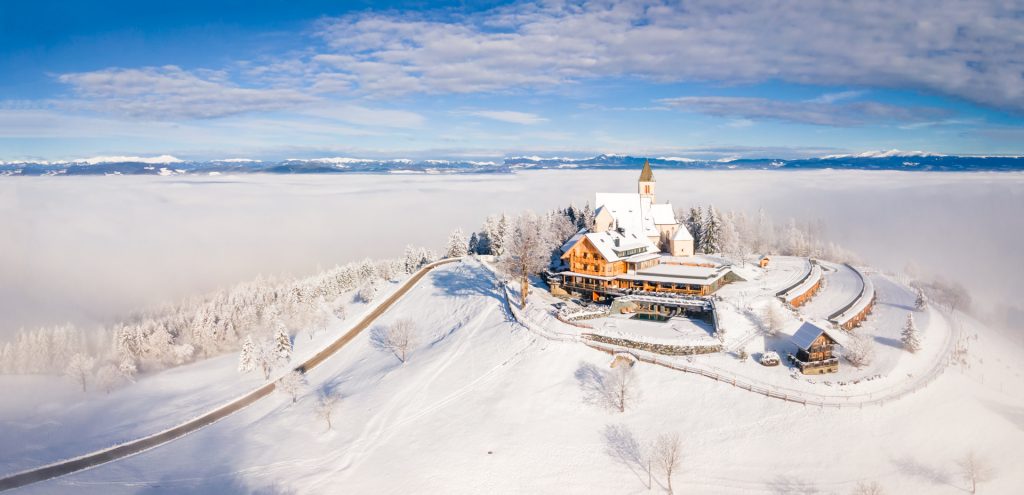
(169, 92)
(509, 116)
(840, 96)
(804, 112)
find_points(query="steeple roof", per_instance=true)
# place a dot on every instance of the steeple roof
(646, 175)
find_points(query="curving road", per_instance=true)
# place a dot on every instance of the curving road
(133, 447)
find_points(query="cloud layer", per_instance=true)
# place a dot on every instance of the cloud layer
(969, 49)
(170, 92)
(816, 111)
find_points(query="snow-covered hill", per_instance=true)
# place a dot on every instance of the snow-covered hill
(486, 406)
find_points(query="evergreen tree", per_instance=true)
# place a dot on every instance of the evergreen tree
(282, 344)
(711, 231)
(922, 302)
(586, 218)
(412, 259)
(247, 358)
(456, 244)
(474, 244)
(504, 229)
(911, 338)
(694, 223)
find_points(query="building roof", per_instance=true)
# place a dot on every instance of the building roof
(646, 175)
(807, 333)
(684, 271)
(573, 240)
(682, 234)
(605, 243)
(663, 214)
(626, 208)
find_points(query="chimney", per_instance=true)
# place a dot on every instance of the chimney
(616, 242)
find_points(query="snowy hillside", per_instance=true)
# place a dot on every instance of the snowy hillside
(484, 405)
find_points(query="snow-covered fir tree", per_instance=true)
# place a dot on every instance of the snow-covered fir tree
(282, 344)
(457, 246)
(247, 357)
(694, 223)
(474, 244)
(412, 259)
(910, 336)
(921, 303)
(711, 231)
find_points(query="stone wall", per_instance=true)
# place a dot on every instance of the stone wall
(665, 349)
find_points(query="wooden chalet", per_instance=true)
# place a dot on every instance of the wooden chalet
(815, 350)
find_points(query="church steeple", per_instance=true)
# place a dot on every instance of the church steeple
(645, 186)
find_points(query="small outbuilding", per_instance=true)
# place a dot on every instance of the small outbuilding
(770, 358)
(764, 261)
(816, 350)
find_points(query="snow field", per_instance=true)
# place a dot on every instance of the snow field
(484, 406)
(79, 423)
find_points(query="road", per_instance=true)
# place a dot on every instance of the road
(133, 447)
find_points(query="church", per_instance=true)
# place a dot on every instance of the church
(636, 246)
(640, 213)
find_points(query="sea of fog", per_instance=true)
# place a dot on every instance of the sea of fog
(88, 249)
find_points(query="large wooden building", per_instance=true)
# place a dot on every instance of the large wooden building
(637, 246)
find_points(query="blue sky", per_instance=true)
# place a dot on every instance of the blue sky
(702, 79)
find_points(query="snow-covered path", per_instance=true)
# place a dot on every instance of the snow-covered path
(207, 417)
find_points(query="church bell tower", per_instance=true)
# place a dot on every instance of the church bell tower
(645, 186)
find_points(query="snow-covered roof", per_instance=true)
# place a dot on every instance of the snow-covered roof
(805, 335)
(605, 242)
(663, 214)
(573, 240)
(687, 272)
(631, 211)
(682, 234)
(626, 208)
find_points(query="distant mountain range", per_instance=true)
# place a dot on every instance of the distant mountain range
(169, 165)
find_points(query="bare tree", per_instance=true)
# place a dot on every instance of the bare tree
(613, 388)
(776, 318)
(79, 368)
(526, 250)
(621, 386)
(667, 454)
(974, 470)
(860, 350)
(325, 406)
(398, 338)
(868, 488)
(292, 384)
(108, 377)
